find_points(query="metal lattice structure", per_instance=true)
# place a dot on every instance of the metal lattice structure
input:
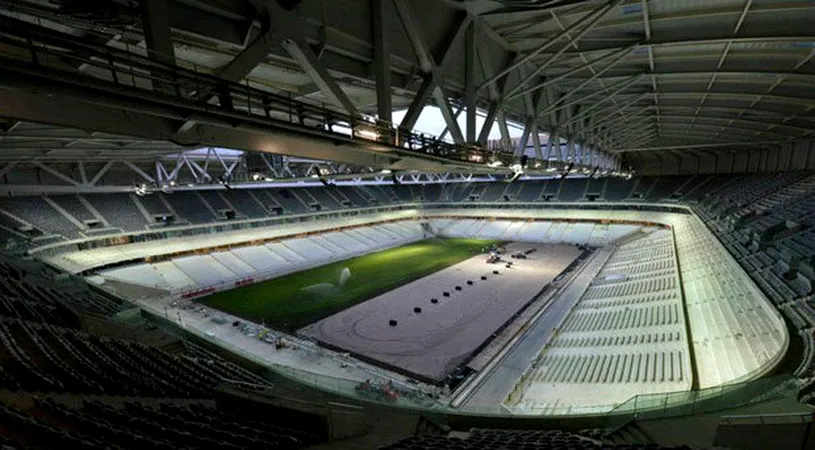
(607, 84)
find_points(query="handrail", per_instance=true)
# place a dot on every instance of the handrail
(49, 50)
(46, 49)
(165, 232)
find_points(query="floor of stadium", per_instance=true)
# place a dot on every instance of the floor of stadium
(404, 328)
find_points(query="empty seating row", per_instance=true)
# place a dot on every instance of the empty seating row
(624, 336)
(38, 357)
(264, 261)
(66, 215)
(488, 439)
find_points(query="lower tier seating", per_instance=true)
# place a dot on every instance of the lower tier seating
(485, 439)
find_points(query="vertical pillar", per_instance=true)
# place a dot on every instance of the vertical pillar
(469, 80)
(155, 19)
(384, 106)
(550, 149)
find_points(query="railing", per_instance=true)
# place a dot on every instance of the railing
(126, 72)
(210, 228)
(657, 406)
(650, 406)
(49, 53)
(220, 227)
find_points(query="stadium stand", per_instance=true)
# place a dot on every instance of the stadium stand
(48, 365)
(190, 207)
(572, 190)
(763, 223)
(625, 336)
(617, 189)
(119, 210)
(287, 200)
(265, 261)
(36, 210)
(246, 203)
(73, 206)
(324, 197)
(488, 439)
(215, 202)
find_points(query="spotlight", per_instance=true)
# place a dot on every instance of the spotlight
(566, 172)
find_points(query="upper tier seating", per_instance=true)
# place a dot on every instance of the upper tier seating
(38, 212)
(764, 221)
(135, 213)
(119, 210)
(190, 207)
(246, 203)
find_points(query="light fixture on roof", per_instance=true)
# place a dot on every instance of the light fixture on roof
(366, 133)
(141, 190)
(385, 171)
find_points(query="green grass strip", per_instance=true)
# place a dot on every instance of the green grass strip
(282, 303)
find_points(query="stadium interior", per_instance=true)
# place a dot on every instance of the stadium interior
(407, 224)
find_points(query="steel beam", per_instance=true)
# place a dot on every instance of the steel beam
(551, 41)
(489, 120)
(564, 75)
(618, 56)
(417, 104)
(102, 171)
(446, 130)
(83, 177)
(429, 63)
(469, 80)
(524, 137)
(155, 17)
(536, 143)
(302, 52)
(138, 170)
(447, 113)
(134, 120)
(553, 140)
(496, 92)
(382, 70)
(250, 57)
(620, 86)
(614, 108)
(7, 168)
(709, 145)
(552, 58)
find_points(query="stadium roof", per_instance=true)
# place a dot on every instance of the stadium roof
(617, 76)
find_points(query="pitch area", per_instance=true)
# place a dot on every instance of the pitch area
(298, 299)
(433, 325)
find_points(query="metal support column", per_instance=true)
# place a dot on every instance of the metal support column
(469, 80)
(384, 107)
